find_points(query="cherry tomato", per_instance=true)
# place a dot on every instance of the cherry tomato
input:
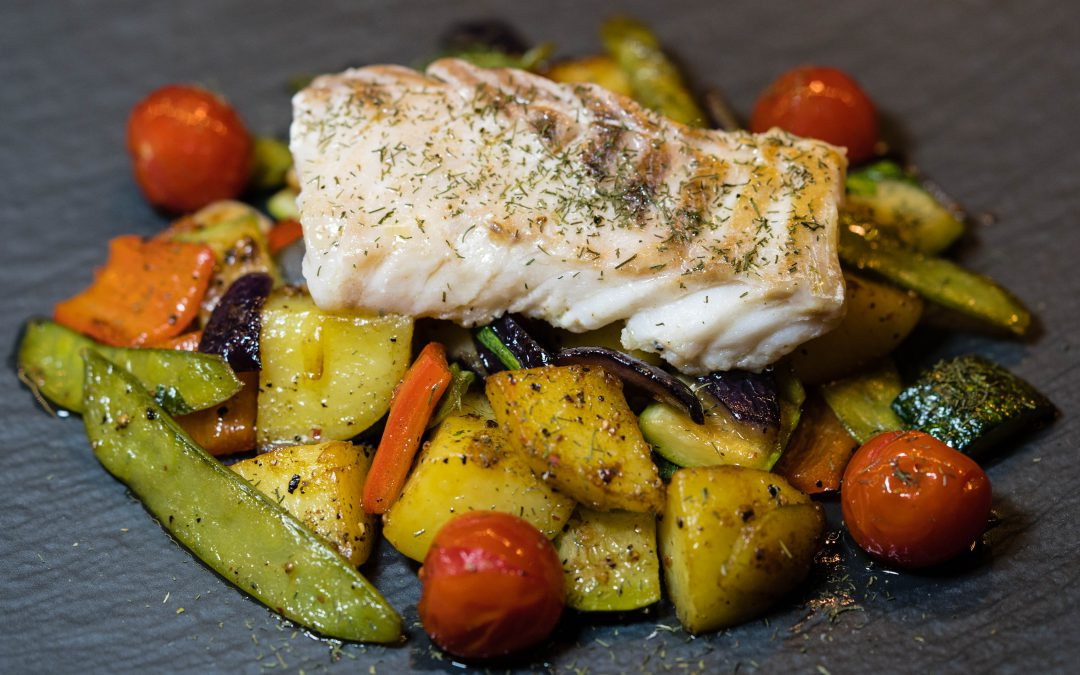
(189, 148)
(492, 585)
(913, 501)
(822, 103)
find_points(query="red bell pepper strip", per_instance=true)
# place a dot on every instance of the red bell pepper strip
(148, 291)
(283, 233)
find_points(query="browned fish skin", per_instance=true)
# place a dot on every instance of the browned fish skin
(469, 192)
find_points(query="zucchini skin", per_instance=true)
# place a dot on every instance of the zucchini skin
(893, 198)
(182, 382)
(226, 522)
(863, 402)
(972, 404)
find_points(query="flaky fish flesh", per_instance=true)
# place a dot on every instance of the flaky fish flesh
(463, 193)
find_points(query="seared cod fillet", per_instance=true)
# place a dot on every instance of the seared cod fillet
(465, 193)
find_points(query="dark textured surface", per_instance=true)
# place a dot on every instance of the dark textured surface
(987, 93)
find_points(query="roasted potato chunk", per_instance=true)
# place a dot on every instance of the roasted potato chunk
(879, 317)
(325, 376)
(321, 485)
(609, 558)
(574, 425)
(600, 69)
(469, 466)
(733, 542)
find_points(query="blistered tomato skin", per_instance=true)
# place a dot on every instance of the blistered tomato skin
(188, 148)
(822, 103)
(912, 501)
(492, 586)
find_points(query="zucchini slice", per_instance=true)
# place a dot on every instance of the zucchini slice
(885, 194)
(609, 560)
(971, 404)
(721, 440)
(862, 402)
(724, 439)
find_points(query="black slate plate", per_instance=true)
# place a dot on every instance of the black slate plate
(988, 95)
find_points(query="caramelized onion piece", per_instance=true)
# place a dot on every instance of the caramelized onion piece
(752, 398)
(635, 372)
(234, 326)
(506, 341)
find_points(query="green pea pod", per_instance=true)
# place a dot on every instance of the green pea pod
(654, 78)
(182, 382)
(243, 535)
(938, 280)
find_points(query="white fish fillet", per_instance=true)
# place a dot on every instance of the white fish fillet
(466, 193)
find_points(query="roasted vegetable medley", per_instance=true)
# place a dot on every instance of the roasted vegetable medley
(528, 468)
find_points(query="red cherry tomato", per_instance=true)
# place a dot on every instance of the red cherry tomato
(189, 148)
(492, 585)
(913, 501)
(822, 103)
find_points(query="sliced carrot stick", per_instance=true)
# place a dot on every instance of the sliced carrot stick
(283, 233)
(412, 406)
(187, 342)
(229, 427)
(819, 450)
(147, 292)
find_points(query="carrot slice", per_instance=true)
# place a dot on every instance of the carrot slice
(411, 408)
(186, 342)
(229, 427)
(819, 450)
(147, 292)
(283, 233)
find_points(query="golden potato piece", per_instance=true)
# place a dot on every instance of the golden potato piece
(600, 69)
(574, 425)
(733, 542)
(879, 317)
(321, 485)
(469, 466)
(325, 376)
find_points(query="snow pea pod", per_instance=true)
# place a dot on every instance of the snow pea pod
(240, 533)
(50, 362)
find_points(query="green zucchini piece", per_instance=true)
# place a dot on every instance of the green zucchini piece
(664, 466)
(282, 205)
(609, 559)
(971, 404)
(863, 402)
(721, 440)
(891, 198)
(240, 533)
(239, 246)
(654, 78)
(271, 160)
(792, 395)
(936, 279)
(50, 361)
